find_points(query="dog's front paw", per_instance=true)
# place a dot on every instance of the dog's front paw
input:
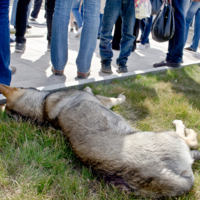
(122, 97)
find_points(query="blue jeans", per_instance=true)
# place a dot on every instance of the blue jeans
(14, 12)
(176, 44)
(77, 15)
(100, 25)
(146, 29)
(5, 72)
(112, 10)
(193, 10)
(36, 9)
(59, 39)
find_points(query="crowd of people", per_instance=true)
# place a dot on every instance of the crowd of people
(93, 19)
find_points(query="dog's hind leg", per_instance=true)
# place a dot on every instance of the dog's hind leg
(191, 138)
(180, 128)
(188, 135)
(110, 102)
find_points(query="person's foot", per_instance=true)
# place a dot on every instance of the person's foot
(122, 69)
(28, 26)
(106, 68)
(77, 35)
(189, 49)
(83, 75)
(20, 47)
(166, 63)
(76, 25)
(32, 19)
(48, 46)
(14, 69)
(143, 46)
(57, 72)
(11, 40)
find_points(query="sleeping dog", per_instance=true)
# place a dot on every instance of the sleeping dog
(148, 164)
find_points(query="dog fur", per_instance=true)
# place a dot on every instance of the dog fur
(146, 163)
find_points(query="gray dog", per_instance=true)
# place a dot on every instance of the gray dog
(148, 164)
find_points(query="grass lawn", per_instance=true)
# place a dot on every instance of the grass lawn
(38, 163)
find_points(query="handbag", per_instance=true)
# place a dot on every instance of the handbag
(142, 9)
(156, 5)
(163, 26)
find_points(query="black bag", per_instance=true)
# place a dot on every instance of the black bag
(163, 26)
(156, 5)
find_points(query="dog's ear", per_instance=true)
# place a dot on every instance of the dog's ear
(11, 93)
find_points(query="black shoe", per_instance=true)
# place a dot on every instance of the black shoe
(122, 69)
(189, 49)
(28, 26)
(166, 64)
(106, 68)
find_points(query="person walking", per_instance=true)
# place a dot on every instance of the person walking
(59, 38)
(113, 9)
(194, 10)
(177, 42)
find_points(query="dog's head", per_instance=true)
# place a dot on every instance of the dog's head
(26, 102)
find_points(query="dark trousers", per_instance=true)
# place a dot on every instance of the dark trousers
(117, 34)
(21, 20)
(36, 8)
(50, 5)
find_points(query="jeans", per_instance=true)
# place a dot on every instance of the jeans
(59, 40)
(5, 72)
(75, 10)
(146, 29)
(14, 12)
(193, 10)
(50, 6)
(177, 42)
(21, 20)
(113, 9)
(36, 9)
(100, 25)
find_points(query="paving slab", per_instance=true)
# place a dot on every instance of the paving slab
(34, 65)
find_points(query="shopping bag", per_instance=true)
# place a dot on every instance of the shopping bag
(156, 5)
(142, 9)
(163, 26)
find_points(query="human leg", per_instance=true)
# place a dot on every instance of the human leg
(176, 44)
(190, 14)
(111, 13)
(59, 38)
(36, 9)
(88, 41)
(76, 13)
(145, 32)
(128, 22)
(100, 25)
(5, 72)
(50, 5)
(21, 21)
(196, 37)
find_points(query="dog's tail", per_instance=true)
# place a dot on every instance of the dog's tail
(195, 155)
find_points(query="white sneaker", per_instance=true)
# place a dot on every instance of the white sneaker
(140, 46)
(78, 33)
(147, 45)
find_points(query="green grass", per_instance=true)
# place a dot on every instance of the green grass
(38, 162)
